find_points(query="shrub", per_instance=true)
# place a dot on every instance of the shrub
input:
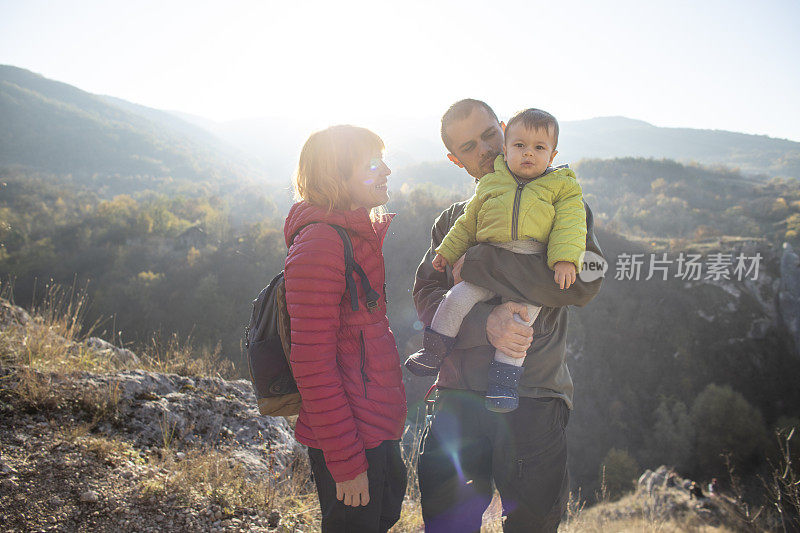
(673, 435)
(618, 473)
(725, 423)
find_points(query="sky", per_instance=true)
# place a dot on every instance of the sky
(730, 65)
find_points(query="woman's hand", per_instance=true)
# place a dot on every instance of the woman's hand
(439, 263)
(354, 492)
(565, 274)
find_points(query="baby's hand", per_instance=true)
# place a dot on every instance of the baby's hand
(565, 274)
(439, 263)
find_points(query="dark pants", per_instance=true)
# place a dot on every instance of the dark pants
(466, 447)
(387, 487)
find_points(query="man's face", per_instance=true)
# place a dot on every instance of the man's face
(477, 141)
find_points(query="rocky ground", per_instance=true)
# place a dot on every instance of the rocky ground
(135, 450)
(84, 466)
(91, 439)
(659, 505)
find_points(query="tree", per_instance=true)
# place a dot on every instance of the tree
(673, 435)
(619, 471)
(725, 422)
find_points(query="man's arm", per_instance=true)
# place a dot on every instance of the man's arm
(535, 284)
(430, 286)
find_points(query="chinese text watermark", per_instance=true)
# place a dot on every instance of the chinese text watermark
(687, 266)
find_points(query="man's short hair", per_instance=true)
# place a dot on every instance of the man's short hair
(459, 111)
(534, 119)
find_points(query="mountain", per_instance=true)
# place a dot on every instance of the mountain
(609, 137)
(277, 142)
(54, 127)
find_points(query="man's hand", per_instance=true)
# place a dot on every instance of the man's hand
(457, 271)
(354, 492)
(505, 333)
(565, 274)
(439, 263)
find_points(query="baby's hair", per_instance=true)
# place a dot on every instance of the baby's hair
(535, 119)
(327, 161)
(459, 111)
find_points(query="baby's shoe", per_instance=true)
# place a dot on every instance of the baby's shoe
(502, 396)
(435, 347)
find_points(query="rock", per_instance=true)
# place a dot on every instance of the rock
(89, 496)
(789, 294)
(121, 357)
(656, 482)
(13, 314)
(184, 409)
(7, 470)
(644, 477)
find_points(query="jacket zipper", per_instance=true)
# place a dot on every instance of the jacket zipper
(363, 361)
(515, 212)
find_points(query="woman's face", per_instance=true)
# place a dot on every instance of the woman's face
(367, 186)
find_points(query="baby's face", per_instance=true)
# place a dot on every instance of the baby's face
(529, 152)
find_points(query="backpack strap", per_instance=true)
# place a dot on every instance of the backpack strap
(350, 265)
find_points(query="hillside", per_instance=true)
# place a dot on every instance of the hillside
(163, 259)
(277, 143)
(91, 441)
(53, 127)
(97, 438)
(174, 265)
(610, 137)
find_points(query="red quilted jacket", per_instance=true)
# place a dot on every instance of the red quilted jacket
(345, 362)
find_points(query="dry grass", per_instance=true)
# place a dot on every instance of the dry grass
(633, 513)
(175, 356)
(411, 513)
(107, 449)
(52, 341)
(640, 525)
(210, 475)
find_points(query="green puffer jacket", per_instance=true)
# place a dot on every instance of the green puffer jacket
(515, 277)
(548, 209)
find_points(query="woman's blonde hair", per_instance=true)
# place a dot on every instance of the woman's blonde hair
(327, 161)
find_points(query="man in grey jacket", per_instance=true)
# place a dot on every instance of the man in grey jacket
(466, 447)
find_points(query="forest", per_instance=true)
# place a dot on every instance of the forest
(666, 371)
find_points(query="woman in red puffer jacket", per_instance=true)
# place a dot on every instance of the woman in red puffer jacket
(345, 362)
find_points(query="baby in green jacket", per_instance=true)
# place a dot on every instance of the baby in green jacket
(525, 206)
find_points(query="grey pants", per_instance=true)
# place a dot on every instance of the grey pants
(463, 296)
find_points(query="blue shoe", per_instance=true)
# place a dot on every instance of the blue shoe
(502, 396)
(435, 347)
